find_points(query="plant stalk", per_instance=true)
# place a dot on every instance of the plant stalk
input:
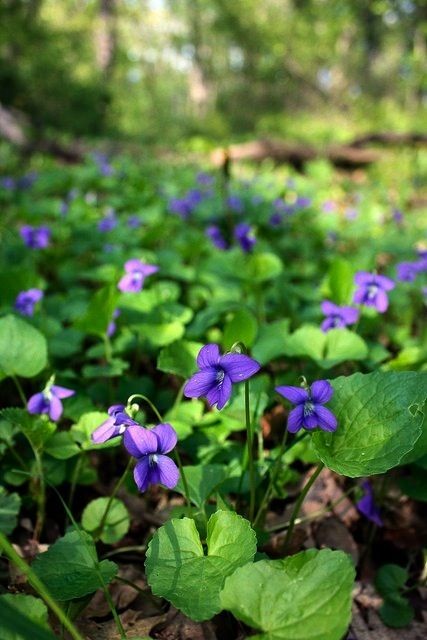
(298, 504)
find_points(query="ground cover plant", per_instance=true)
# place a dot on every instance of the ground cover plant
(213, 401)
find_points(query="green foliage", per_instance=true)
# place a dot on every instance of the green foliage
(179, 358)
(70, 567)
(340, 281)
(202, 481)
(99, 312)
(111, 528)
(178, 570)
(23, 617)
(23, 349)
(327, 349)
(241, 326)
(305, 596)
(37, 429)
(395, 610)
(10, 504)
(377, 424)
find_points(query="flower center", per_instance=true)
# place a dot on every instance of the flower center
(372, 291)
(220, 375)
(152, 459)
(308, 408)
(336, 320)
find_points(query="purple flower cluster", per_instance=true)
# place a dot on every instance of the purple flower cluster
(148, 446)
(35, 237)
(103, 164)
(409, 271)
(185, 206)
(372, 290)
(27, 300)
(245, 236)
(213, 232)
(337, 316)
(309, 412)
(218, 373)
(136, 272)
(108, 222)
(235, 203)
(48, 401)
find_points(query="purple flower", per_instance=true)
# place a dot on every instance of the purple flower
(185, 206)
(213, 232)
(149, 447)
(329, 206)
(114, 426)
(337, 316)
(108, 222)
(205, 179)
(49, 401)
(276, 219)
(8, 183)
(103, 163)
(372, 290)
(35, 237)
(351, 213)
(397, 216)
(218, 373)
(245, 236)
(111, 329)
(302, 202)
(367, 506)
(27, 300)
(136, 272)
(235, 203)
(310, 412)
(407, 271)
(133, 222)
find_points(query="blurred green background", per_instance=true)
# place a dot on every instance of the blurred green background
(209, 71)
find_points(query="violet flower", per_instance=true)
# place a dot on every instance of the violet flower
(108, 222)
(136, 272)
(27, 300)
(367, 506)
(407, 271)
(111, 329)
(114, 426)
(372, 291)
(245, 236)
(337, 316)
(35, 237)
(134, 221)
(213, 232)
(149, 447)
(218, 373)
(235, 203)
(309, 412)
(49, 401)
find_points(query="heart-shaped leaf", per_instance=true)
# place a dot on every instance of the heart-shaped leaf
(23, 349)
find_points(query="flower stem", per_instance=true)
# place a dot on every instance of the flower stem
(39, 587)
(273, 477)
(299, 502)
(41, 495)
(250, 453)
(111, 498)
(20, 390)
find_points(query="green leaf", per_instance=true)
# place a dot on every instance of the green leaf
(390, 579)
(341, 281)
(99, 312)
(23, 617)
(327, 349)
(178, 570)
(263, 266)
(37, 429)
(185, 416)
(396, 611)
(271, 341)
(23, 349)
(377, 423)
(116, 524)
(389, 582)
(202, 481)
(179, 358)
(306, 596)
(10, 504)
(415, 484)
(70, 567)
(62, 446)
(86, 425)
(161, 334)
(241, 326)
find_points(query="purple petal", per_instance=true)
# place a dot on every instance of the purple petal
(350, 315)
(329, 308)
(359, 296)
(167, 471)
(149, 269)
(328, 324)
(55, 409)
(363, 277)
(310, 421)
(295, 419)
(296, 395)
(238, 366)
(201, 383)
(61, 392)
(115, 408)
(105, 431)
(321, 391)
(224, 392)
(133, 265)
(208, 356)
(387, 284)
(130, 284)
(380, 301)
(38, 404)
(139, 441)
(325, 418)
(141, 473)
(166, 436)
